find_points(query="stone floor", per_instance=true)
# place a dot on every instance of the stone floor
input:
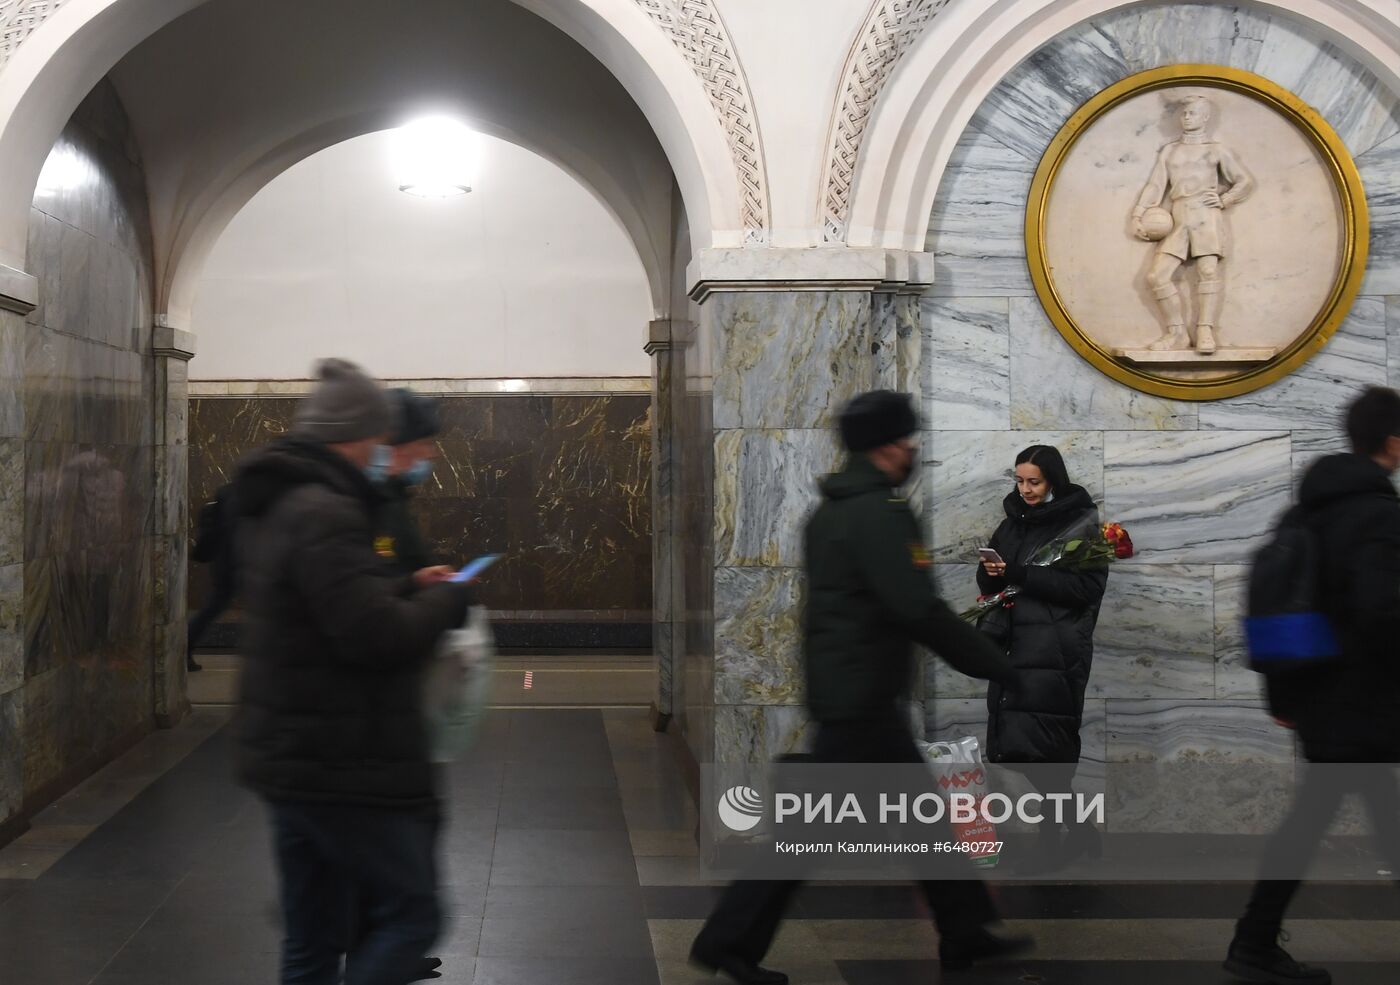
(569, 860)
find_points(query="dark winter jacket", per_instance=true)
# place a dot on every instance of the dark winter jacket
(1350, 711)
(331, 687)
(1035, 717)
(396, 535)
(870, 598)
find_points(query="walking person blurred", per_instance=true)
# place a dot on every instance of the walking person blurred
(330, 729)
(1035, 716)
(1346, 711)
(869, 600)
(214, 539)
(397, 535)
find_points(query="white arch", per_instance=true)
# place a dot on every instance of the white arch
(60, 62)
(970, 48)
(205, 220)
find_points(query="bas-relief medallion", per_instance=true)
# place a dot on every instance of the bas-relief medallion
(1196, 232)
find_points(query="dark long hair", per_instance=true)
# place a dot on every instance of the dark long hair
(1051, 463)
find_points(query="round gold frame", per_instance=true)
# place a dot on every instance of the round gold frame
(1355, 239)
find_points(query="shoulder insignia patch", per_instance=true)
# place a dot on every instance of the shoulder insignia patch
(920, 556)
(384, 546)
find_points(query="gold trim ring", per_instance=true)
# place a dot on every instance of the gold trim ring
(1350, 193)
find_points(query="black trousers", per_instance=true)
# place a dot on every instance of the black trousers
(220, 598)
(747, 917)
(333, 860)
(1315, 805)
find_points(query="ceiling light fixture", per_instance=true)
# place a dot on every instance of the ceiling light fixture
(435, 157)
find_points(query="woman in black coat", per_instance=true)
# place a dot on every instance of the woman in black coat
(1049, 635)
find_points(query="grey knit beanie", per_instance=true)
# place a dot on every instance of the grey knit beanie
(347, 405)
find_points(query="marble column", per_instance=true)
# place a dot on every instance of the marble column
(172, 349)
(18, 296)
(788, 355)
(660, 346)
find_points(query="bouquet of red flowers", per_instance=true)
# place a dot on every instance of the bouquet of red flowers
(1084, 546)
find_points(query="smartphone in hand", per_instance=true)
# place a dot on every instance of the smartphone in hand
(473, 570)
(989, 554)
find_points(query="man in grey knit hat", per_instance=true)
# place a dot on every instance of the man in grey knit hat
(330, 729)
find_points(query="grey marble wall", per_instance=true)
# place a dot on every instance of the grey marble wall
(693, 689)
(76, 443)
(1197, 484)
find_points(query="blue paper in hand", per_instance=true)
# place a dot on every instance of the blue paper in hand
(474, 569)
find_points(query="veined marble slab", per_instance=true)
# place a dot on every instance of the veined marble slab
(11, 628)
(1309, 446)
(12, 350)
(748, 734)
(1313, 397)
(970, 474)
(11, 501)
(1380, 173)
(1233, 678)
(1347, 95)
(1205, 33)
(1052, 385)
(949, 719)
(968, 352)
(765, 487)
(1156, 633)
(788, 360)
(977, 226)
(1392, 341)
(758, 636)
(1031, 104)
(1197, 498)
(11, 753)
(1235, 731)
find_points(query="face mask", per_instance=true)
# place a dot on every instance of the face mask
(419, 472)
(380, 458)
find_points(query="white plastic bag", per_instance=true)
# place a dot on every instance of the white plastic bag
(457, 686)
(957, 768)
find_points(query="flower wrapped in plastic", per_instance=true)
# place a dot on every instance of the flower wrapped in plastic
(1085, 545)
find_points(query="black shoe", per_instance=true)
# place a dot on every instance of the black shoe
(957, 953)
(191, 666)
(428, 969)
(1271, 965)
(742, 970)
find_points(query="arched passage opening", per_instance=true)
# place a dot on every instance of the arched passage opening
(215, 100)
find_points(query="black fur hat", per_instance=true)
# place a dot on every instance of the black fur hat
(877, 418)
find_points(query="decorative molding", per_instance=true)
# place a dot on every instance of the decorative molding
(19, 291)
(891, 29)
(537, 386)
(18, 20)
(696, 29)
(815, 269)
(172, 343)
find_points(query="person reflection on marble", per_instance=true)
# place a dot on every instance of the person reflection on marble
(1049, 635)
(91, 497)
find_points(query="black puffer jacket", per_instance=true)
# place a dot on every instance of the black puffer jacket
(870, 599)
(1036, 717)
(331, 699)
(1350, 711)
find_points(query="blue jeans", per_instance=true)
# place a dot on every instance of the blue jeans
(338, 864)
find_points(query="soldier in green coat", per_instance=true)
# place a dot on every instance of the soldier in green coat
(870, 599)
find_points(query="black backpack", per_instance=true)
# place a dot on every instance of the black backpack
(1286, 627)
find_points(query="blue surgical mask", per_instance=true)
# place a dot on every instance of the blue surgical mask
(419, 472)
(380, 458)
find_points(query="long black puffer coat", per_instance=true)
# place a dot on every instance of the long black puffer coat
(1036, 717)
